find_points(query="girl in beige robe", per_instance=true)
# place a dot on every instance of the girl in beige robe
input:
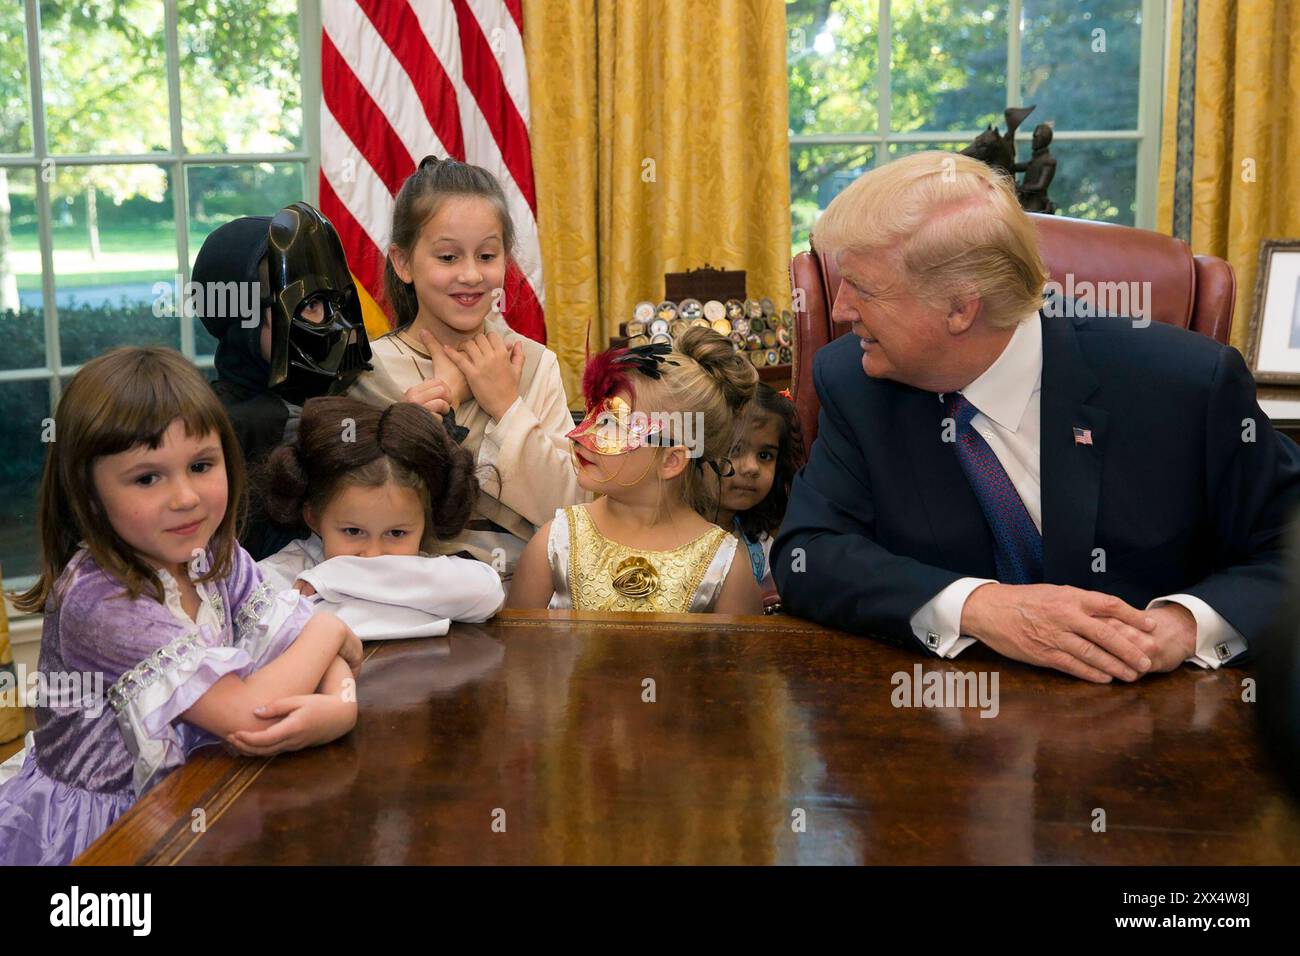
(453, 353)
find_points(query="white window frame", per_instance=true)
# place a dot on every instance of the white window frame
(1146, 135)
(176, 160)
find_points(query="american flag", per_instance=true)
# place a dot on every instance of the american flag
(1082, 436)
(403, 79)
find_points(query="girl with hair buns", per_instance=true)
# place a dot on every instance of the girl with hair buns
(379, 489)
(500, 393)
(659, 425)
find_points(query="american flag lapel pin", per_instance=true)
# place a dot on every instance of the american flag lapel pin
(1082, 436)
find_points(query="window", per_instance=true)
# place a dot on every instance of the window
(129, 130)
(870, 80)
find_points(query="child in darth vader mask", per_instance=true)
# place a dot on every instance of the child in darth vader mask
(308, 339)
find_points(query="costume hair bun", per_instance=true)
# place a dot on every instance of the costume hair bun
(417, 439)
(283, 483)
(716, 355)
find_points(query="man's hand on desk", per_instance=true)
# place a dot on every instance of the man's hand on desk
(1173, 640)
(1092, 636)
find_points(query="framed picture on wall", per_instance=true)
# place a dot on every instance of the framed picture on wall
(1274, 343)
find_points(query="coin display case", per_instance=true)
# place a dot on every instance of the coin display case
(716, 299)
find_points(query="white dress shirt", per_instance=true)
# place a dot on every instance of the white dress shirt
(1007, 396)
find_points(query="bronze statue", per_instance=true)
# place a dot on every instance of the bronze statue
(996, 149)
(999, 151)
(1039, 171)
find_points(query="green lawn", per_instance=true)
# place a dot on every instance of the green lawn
(127, 254)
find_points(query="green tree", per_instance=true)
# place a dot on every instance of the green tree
(15, 133)
(240, 76)
(948, 72)
(105, 91)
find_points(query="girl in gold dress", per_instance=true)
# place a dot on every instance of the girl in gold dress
(659, 424)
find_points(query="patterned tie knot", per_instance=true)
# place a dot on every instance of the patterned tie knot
(961, 410)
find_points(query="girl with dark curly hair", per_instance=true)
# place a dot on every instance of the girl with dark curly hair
(380, 490)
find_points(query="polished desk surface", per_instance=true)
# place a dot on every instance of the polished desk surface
(537, 720)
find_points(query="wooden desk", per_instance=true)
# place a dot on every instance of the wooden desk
(540, 715)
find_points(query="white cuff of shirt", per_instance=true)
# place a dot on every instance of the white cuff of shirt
(1217, 641)
(937, 622)
(494, 432)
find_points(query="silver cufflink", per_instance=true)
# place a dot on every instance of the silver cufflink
(1222, 650)
(931, 640)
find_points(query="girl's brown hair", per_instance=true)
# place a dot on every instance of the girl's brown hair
(705, 375)
(423, 193)
(343, 442)
(767, 515)
(125, 398)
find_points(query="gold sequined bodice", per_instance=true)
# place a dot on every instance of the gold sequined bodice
(607, 576)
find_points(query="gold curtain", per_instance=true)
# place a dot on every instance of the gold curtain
(1231, 132)
(659, 136)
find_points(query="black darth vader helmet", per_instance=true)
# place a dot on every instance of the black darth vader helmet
(306, 263)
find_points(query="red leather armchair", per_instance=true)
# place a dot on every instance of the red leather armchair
(1194, 292)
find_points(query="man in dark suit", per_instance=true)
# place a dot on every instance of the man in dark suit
(1101, 496)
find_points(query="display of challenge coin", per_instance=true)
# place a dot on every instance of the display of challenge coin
(741, 326)
(659, 327)
(737, 339)
(767, 305)
(661, 338)
(690, 309)
(772, 357)
(757, 325)
(735, 310)
(769, 339)
(753, 342)
(638, 340)
(786, 356)
(701, 323)
(783, 337)
(677, 326)
(635, 327)
(787, 316)
(666, 311)
(714, 310)
(753, 309)
(722, 327)
(757, 359)
(644, 311)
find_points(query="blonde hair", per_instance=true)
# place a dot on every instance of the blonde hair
(956, 227)
(712, 379)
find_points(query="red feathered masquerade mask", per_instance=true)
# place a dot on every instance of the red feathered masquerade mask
(611, 427)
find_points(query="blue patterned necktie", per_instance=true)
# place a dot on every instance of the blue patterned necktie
(1017, 545)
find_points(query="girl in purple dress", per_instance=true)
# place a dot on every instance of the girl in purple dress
(160, 634)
